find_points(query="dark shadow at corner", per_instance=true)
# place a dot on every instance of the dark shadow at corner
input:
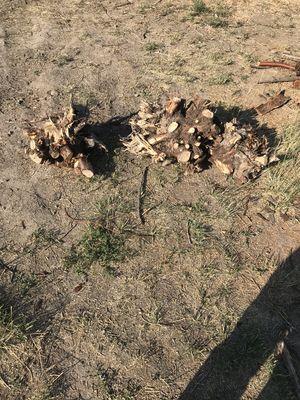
(228, 370)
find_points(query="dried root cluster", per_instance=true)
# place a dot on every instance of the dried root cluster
(191, 134)
(63, 142)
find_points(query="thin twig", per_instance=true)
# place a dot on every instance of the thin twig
(278, 80)
(291, 57)
(142, 193)
(189, 233)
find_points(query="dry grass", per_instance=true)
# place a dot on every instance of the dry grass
(178, 286)
(283, 179)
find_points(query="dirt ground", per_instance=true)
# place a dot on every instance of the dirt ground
(191, 304)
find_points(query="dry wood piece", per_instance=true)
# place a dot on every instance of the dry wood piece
(296, 84)
(274, 102)
(61, 141)
(192, 135)
(241, 152)
(278, 80)
(174, 133)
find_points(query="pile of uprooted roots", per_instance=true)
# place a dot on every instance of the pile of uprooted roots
(191, 134)
(185, 132)
(62, 141)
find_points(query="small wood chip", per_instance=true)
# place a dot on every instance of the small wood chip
(32, 145)
(296, 84)
(173, 126)
(184, 156)
(36, 158)
(66, 153)
(262, 160)
(207, 113)
(173, 105)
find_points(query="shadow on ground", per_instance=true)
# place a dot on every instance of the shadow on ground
(231, 365)
(110, 133)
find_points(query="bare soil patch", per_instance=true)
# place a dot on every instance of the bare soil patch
(190, 304)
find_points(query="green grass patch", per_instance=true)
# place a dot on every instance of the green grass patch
(199, 7)
(151, 47)
(11, 330)
(223, 79)
(98, 244)
(199, 232)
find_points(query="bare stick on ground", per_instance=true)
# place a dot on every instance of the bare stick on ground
(142, 192)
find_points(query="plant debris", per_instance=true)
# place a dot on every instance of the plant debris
(62, 141)
(192, 135)
(295, 67)
(274, 102)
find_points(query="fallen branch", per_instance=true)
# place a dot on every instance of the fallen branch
(274, 102)
(278, 80)
(274, 64)
(291, 57)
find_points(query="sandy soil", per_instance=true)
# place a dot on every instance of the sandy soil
(142, 326)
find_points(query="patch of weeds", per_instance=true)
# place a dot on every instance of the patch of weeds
(265, 264)
(151, 47)
(199, 232)
(250, 58)
(97, 244)
(168, 10)
(282, 180)
(46, 236)
(179, 62)
(200, 207)
(26, 282)
(144, 8)
(11, 331)
(232, 256)
(64, 60)
(232, 199)
(223, 79)
(217, 22)
(42, 238)
(244, 78)
(219, 18)
(191, 78)
(199, 7)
